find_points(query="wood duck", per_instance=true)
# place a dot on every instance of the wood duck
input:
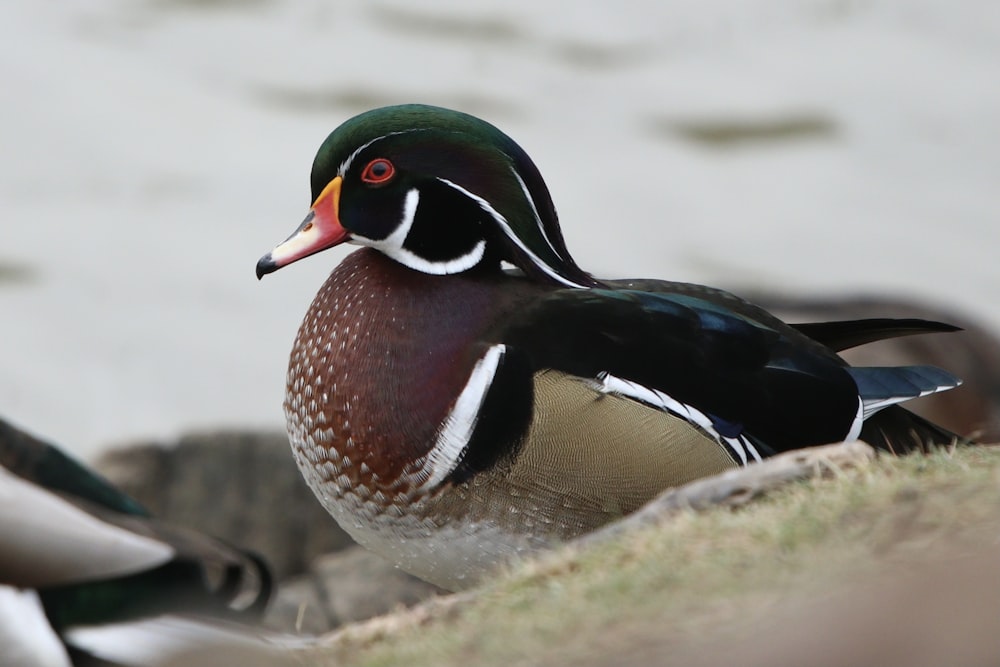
(82, 566)
(461, 392)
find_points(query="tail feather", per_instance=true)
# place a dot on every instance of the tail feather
(880, 387)
(843, 335)
(898, 431)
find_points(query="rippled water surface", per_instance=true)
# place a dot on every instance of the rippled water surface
(152, 151)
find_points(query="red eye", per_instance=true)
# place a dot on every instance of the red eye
(378, 172)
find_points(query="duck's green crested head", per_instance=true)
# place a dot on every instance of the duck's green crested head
(437, 190)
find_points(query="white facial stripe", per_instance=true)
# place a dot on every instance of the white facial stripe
(393, 247)
(346, 164)
(534, 210)
(458, 426)
(505, 226)
(609, 384)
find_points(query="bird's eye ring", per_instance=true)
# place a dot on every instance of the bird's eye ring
(378, 172)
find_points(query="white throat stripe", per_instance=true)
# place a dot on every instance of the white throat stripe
(394, 245)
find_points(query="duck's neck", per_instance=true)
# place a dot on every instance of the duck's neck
(380, 357)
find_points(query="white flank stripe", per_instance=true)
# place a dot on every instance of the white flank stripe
(736, 446)
(859, 420)
(505, 226)
(750, 448)
(457, 428)
(610, 384)
(393, 245)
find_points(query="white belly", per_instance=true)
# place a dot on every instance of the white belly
(454, 555)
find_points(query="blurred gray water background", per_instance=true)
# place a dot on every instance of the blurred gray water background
(152, 150)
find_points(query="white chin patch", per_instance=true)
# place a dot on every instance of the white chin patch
(392, 245)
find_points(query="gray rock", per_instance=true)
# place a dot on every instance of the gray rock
(359, 585)
(299, 606)
(351, 585)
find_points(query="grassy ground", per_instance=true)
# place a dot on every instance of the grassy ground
(839, 561)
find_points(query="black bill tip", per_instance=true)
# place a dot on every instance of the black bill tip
(266, 265)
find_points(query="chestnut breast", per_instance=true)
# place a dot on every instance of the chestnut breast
(379, 359)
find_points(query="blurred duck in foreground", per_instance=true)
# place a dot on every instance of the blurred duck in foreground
(87, 577)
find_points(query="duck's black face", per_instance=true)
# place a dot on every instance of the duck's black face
(438, 191)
